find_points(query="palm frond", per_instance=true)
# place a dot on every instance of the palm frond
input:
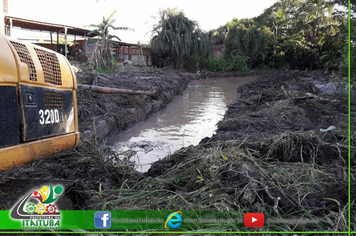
(113, 36)
(121, 28)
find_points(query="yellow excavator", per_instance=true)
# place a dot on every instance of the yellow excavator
(38, 103)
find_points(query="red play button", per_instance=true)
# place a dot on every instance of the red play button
(254, 220)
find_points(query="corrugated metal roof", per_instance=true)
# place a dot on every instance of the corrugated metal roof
(45, 26)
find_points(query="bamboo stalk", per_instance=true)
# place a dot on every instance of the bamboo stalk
(115, 90)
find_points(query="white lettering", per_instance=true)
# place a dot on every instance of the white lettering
(49, 116)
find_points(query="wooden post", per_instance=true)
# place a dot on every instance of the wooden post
(85, 39)
(65, 42)
(58, 41)
(9, 28)
(50, 33)
(123, 52)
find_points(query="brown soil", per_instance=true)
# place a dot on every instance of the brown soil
(268, 154)
(99, 114)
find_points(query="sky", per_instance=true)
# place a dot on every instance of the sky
(130, 13)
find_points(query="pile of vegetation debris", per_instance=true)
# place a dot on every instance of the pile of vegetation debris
(281, 149)
(101, 113)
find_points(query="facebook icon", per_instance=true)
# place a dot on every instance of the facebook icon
(102, 219)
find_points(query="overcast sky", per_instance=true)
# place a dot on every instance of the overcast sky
(130, 13)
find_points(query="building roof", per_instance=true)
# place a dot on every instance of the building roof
(116, 43)
(44, 26)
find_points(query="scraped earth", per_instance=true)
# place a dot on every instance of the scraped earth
(99, 114)
(281, 149)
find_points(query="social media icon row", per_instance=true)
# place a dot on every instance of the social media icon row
(102, 220)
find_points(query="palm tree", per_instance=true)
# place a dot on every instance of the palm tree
(102, 53)
(315, 20)
(250, 39)
(177, 39)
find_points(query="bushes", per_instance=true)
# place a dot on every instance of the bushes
(236, 61)
(216, 64)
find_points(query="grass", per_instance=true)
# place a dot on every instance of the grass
(278, 164)
(229, 177)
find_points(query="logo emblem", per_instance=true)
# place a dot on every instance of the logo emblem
(102, 219)
(174, 220)
(37, 209)
(254, 220)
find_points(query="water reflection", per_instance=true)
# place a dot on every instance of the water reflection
(185, 121)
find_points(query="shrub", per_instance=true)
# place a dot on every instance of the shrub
(216, 64)
(237, 61)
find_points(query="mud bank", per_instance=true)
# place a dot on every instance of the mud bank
(93, 165)
(101, 114)
(281, 149)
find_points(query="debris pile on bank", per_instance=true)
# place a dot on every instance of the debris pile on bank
(273, 153)
(99, 113)
(281, 149)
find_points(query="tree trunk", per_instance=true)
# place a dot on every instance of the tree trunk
(115, 90)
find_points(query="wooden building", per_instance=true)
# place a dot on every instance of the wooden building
(84, 45)
(51, 28)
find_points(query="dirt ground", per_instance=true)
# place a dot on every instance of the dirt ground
(281, 149)
(99, 114)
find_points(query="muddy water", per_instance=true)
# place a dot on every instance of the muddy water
(185, 121)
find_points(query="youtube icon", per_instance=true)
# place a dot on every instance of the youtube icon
(254, 220)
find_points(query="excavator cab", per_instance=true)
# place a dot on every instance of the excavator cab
(38, 103)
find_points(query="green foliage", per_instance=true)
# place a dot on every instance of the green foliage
(237, 61)
(114, 67)
(291, 34)
(344, 65)
(352, 64)
(216, 64)
(218, 35)
(102, 57)
(178, 41)
(103, 70)
(250, 40)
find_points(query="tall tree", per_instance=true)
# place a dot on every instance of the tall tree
(295, 34)
(250, 39)
(219, 35)
(280, 20)
(314, 21)
(177, 40)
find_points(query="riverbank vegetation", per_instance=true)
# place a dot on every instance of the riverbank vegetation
(291, 34)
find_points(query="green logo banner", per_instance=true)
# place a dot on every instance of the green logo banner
(140, 220)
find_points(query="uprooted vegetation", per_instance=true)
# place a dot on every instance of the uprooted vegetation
(99, 114)
(281, 149)
(271, 154)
